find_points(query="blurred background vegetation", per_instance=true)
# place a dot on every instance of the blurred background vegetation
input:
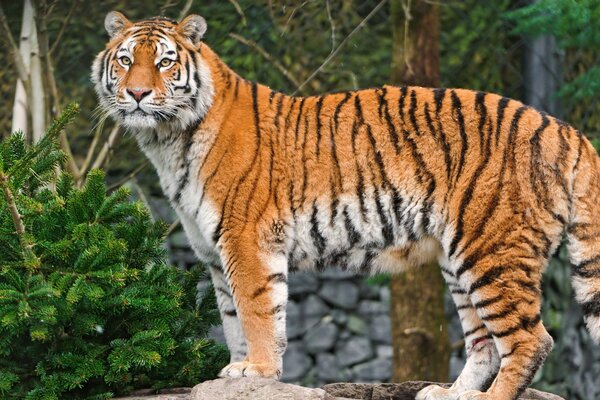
(510, 47)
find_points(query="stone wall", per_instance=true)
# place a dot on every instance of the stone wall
(338, 329)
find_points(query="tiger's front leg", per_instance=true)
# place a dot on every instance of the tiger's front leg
(258, 282)
(231, 324)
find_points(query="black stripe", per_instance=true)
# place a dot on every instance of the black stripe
(502, 104)
(338, 109)
(488, 278)
(224, 292)
(412, 110)
(438, 96)
(318, 239)
(381, 92)
(353, 235)
(490, 301)
(387, 230)
(401, 100)
(472, 331)
(592, 307)
(298, 120)
(511, 308)
(360, 190)
(392, 132)
(456, 107)
(259, 291)
(230, 313)
(183, 180)
(481, 109)
(318, 121)
(304, 162)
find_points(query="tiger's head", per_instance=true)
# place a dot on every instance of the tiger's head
(151, 73)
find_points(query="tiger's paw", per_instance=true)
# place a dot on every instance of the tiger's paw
(247, 369)
(435, 392)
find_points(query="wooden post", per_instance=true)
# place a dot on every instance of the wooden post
(419, 327)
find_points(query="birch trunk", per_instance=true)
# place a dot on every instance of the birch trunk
(20, 116)
(38, 106)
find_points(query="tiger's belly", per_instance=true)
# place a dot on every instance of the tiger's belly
(364, 242)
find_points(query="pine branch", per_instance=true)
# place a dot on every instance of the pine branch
(30, 258)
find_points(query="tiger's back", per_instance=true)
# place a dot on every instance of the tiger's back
(372, 180)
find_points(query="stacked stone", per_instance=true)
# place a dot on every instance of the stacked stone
(338, 329)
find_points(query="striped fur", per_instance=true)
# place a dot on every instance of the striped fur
(372, 180)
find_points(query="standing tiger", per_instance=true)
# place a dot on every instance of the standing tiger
(370, 180)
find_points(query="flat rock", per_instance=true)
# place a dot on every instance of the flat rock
(182, 393)
(269, 389)
(405, 391)
(255, 389)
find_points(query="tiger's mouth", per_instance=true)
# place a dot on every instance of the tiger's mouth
(138, 119)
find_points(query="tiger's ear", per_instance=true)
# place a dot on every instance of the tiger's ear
(115, 23)
(192, 27)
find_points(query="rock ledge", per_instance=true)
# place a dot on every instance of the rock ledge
(268, 389)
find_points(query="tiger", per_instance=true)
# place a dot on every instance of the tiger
(374, 180)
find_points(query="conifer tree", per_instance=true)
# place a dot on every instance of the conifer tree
(88, 306)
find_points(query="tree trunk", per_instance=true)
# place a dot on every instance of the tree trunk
(38, 105)
(542, 73)
(20, 115)
(419, 328)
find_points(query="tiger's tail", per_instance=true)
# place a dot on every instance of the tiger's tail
(583, 236)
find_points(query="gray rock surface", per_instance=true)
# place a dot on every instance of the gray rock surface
(294, 323)
(342, 294)
(321, 337)
(268, 389)
(380, 329)
(376, 369)
(405, 391)
(255, 389)
(370, 307)
(296, 363)
(302, 282)
(354, 351)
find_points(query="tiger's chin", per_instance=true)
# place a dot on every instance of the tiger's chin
(137, 121)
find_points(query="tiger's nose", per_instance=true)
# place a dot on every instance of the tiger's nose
(139, 93)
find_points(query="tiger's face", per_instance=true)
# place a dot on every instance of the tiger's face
(151, 72)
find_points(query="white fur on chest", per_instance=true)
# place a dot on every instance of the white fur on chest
(178, 167)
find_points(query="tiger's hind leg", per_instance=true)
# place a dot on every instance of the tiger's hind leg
(483, 360)
(231, 323)
(505, 290)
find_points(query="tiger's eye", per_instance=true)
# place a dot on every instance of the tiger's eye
(125, 60)
(165, 62)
